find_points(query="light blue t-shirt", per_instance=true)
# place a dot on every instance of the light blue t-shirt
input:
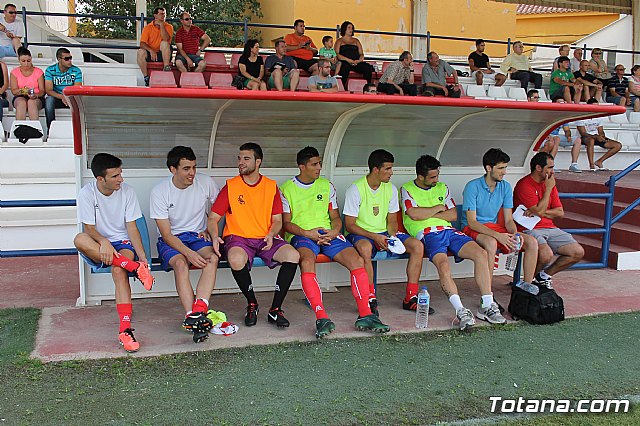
(486, 204)
(63, 79)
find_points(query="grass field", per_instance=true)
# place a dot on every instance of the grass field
(410, 379)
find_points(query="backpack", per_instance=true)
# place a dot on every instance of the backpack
(544, 308)
(25, 132)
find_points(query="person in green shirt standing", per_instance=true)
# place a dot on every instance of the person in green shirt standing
(428, 211)
(563, 84)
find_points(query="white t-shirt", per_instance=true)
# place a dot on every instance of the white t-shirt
(333, 197)
(186, 209)
(591, 124)
(108, 214)
(16, 27)
(352, 200)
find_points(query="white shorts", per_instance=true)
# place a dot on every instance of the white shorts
(486, 78)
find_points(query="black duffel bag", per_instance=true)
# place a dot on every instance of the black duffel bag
(544, 308)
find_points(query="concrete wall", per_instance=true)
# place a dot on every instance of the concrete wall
(560, 28)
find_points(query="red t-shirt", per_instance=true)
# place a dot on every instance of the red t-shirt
(190, 39)
(528, 192)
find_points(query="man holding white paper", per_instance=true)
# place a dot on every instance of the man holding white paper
(485, 198)
(538, 193)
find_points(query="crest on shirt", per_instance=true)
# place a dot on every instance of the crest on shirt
(376, 210)
(241, 199)
(319, 197)
(440, 198)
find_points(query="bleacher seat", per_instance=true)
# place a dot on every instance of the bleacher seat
(385, 65)
(518, 94)
(41, 52)
(60, 133)
(235, 57)
(35, 124)
(498, 92)
(192, 80)
(543, 94)
(627, 139)
(622, 120)
(221, 81)
(341, 86)
(356, 85)
(78, 57)
(303, 85)
(476, 91)
(215, 58)
(634, 117)
(2, 136)
(162, 79)
(417, 68)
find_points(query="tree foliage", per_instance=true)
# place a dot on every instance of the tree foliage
(213, 10)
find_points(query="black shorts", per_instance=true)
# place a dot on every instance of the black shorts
(305, 64)
(157, 53)
(595, 141)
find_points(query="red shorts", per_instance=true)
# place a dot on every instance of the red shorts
(494, 227)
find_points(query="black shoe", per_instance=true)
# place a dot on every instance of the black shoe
(373, 305)
(146, 80)
(412, 304)
(276, 316)
(251, 318)
(200, 336)
(197, 322)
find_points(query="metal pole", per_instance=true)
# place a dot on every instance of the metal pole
(337, 32)
(508, 45)
(141, 27)
(246, 29)
(24, 22)
(608, 211)
(428, 42)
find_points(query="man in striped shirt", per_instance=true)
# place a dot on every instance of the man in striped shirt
(188, 39)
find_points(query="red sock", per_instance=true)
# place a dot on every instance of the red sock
(311, 289)
(372, 291)
(124, 312)
(200, 305)
(125, 263)
(412, 290)
(359, 289)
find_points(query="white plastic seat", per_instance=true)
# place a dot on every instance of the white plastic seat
(60, 133)
(76, 53)
(543, 94)
(627, 139)
(1, 133)
(41, 52)
(623, 121)
(475, 90)
(634, 117)
(498, 93)
(518, 93)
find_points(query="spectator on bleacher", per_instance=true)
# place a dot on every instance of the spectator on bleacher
(251, 66)
(301, 48)
(484, 199)
(519, 68)
(155, 43)
(576, 60)
(11, 31)
(592, 133)
(351, 55)
(179, 204)
(188, 38)
(323, 81)
(108, 210)
(4, 85)
(634, 87)
(563, 85)
(537, 192)
(56, 78)
(281, 70)
(563, 51)
(312, 223)
(370, 217)
(592, 87)
(599, 67)
(618, 88)
(27, 86)
(398, 77)
(480, 67)
(428, 212)
(369, 89)
(252, 206)
(434, 77)
(328, 52)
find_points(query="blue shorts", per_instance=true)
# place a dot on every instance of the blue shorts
(444, 241)
(7, 51)
(353, 239)
(189, 239)
(118, 245)
(337, 245)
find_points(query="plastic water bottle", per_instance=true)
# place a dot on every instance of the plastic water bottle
(512, 258)
(422, 310)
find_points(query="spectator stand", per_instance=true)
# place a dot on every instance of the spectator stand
(344, 126)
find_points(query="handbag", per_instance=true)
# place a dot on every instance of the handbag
(25, 132)
(238, 82)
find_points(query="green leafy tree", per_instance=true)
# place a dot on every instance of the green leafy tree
(213, 10)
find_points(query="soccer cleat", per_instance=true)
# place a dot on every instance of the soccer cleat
(465, 318)
(491, 314)
(197, 322)
(541, 282)
(200, 336)
(128, 341)
(371, 323)
(251, 318)
(412, 305)
(373, 305)
(145, 277)
(324, 327)
(276, 316)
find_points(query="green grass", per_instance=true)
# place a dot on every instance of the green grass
(410, 379)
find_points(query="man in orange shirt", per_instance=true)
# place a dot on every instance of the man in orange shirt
(301, 48)
(155, 43)
(253, 209)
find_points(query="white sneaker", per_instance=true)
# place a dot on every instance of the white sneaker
(491, 314)
(574, 168)
(395, 245)
(465, 318)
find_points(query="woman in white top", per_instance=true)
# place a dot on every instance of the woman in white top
(634, 87)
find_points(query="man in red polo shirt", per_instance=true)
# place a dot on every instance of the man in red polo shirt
(538, 193)
(301, 48)
(188, 39)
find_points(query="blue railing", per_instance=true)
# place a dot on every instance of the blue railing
(39, 252)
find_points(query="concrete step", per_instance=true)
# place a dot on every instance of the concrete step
(627, 189)
(620, 257)
(623, 234)
(595, 208)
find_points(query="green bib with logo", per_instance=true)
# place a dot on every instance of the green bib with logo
(374, 207)
(424, 198)
(309, 206)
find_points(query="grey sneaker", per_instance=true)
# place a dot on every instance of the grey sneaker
(541, 282)
(574, 168)
(491, 314)
(465, 318)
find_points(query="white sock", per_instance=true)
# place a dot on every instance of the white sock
(487, 300)
(544, 275)
(456, 302)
